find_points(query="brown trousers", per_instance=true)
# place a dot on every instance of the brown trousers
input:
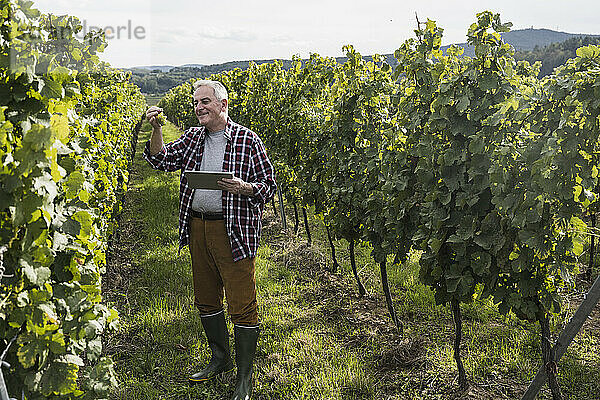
(213, 270)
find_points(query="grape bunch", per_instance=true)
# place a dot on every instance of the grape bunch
(161, 119)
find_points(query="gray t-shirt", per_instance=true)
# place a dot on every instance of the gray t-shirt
(209, 201)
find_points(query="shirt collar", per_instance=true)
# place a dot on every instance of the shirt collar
(227, 133)
(228, 129)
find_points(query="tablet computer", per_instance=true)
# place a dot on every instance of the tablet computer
(206, 179)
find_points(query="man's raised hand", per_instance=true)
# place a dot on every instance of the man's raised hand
(153, 115)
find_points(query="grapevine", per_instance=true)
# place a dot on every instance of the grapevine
(65, 145)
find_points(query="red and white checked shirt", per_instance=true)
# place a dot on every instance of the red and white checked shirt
(246, 157)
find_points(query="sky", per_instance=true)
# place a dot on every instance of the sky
(177, 32)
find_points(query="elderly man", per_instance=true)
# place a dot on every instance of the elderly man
(222, 227)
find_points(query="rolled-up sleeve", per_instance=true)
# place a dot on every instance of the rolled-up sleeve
(171, 156)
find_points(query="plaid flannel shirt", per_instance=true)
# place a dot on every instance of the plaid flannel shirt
(246, 157)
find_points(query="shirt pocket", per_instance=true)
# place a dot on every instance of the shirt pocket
(242, 165)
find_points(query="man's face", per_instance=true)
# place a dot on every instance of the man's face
(211, 112)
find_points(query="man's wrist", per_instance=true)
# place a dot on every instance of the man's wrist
(156, 141)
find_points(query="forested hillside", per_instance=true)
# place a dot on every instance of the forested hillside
(529, 43)
(555, 54)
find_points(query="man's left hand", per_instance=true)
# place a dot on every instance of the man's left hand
(236, 186)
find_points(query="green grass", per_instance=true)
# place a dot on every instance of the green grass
(319, 339)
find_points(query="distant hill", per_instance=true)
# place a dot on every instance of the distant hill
(161, 68)
(192, 65)
(556, 54)
(529, 43)
(165, 68)
(527, 39)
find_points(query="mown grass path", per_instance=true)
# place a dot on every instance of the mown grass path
(319, 339)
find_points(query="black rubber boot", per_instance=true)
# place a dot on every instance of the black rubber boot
(245, 348)
(218, 341)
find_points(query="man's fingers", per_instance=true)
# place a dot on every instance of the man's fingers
(153, 112)
(151, 115)
(233, 185)
(228, 187)
(225, 185)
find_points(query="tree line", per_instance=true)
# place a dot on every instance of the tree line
(159, 82)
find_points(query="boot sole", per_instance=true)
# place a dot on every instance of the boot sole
(193, 381)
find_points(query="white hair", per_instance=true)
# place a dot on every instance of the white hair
(218, 88)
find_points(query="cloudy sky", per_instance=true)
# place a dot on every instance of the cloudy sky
(176, 32)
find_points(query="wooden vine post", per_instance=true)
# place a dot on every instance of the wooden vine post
(309, 239)
(361, 288)
(296, 220)
(335, 266)
(588, 273)
(388, 295)
(549, 360)
(281, 209)
(566, 337)
(457, 317)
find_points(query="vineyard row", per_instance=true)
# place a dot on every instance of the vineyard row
(68, 126)
(487, 170)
